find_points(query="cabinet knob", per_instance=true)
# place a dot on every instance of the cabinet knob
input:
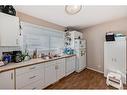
(11, 76)
(33, 88)
(112, 59)
(115, 60)
(56, 67)
(32, 67)
(17, 41)
(32, 77)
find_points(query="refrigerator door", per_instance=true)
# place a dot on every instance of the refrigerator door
(79, 44)
(81, 60)
(83, 44)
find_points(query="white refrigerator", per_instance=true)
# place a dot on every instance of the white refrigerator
(80, 51)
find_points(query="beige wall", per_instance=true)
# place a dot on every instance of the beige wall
(95, 39)
(37, 21)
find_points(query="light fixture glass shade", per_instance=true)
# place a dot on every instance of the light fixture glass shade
(72, 9)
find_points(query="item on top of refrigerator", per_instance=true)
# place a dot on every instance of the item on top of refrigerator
(110, 36)
(119, 35)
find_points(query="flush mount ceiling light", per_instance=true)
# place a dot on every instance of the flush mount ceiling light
(72, 9)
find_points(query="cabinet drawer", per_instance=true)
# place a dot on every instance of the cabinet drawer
(28, 78)
(61, 60)
(29, 69)
(47, 64)
(35, 85)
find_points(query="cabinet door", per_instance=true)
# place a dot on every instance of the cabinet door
(115, 58)
(120, 58)
(108, 57)
(7, 80)
(60, 68)
(50, 74)
(9, 30)
(70, 65)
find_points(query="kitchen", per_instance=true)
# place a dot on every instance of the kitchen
(38, 54)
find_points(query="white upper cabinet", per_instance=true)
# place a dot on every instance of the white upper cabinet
(9, 30)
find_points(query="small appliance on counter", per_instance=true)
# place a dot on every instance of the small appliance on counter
(17, 56)
(12, 56)
(1, 62)
(7, 57)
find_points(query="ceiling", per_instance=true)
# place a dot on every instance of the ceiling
(88, 16)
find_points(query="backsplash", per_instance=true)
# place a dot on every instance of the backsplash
(6, 49)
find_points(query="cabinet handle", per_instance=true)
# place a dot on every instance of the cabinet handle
(11, 76)
(56, 67)
(33, 88)
(17, 41)
(112, 59)
(32, 67)
(115, 59)
(32, 77)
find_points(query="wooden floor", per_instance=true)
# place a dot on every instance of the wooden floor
(86, 79)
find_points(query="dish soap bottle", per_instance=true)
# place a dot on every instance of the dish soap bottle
(35, 54)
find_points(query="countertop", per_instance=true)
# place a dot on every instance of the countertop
(12, 66)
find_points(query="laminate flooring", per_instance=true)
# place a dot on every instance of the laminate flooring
(87, 79)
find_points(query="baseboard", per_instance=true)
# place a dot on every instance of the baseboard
(95, 70)
(80, 70)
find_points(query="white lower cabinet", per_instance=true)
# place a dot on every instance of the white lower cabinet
(35, 85)
(30, 78)
(9, 30)
(70, 65)
(37, 76)
(50, 73)
(60, 66)
(54, 71)
(7, 80)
